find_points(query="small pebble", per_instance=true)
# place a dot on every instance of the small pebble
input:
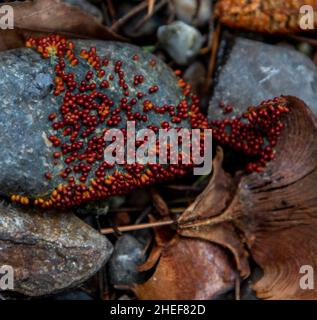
(127, 255)
(186, 11)
(181, 41)
(305, 48)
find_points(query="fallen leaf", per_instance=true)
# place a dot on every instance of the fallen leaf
(159, 203)
(33, 18)
(207, 207)
(188, 269)
(267, 16)
(272, 214)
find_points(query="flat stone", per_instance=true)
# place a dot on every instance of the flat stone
(26, 93)
(256, 71)
(49, 252)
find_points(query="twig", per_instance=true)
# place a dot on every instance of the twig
(312, 42)
(151, 4)
(184, 188)
(237, 288)
(111, 8)
(137, 9)
(157, 7)
(121, 209)
(213, 55)
(137, 227)
(197, 9)
(177, 210)
(143, 214)
(172, 11)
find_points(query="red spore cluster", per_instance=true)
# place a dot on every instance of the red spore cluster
(255, 133)
(88, 109)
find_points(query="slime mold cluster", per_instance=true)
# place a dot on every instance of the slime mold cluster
(107, 97)
(254, 133)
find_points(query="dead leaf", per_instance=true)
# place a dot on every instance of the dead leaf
(267, 16)
(52, 16)
(159, 203)
(272, 214)
(207, 207)
(188, 269)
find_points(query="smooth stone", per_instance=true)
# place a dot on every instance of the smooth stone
(181, 41)
(128, 253)
(186, 11)
(50, 251)
(256, 71)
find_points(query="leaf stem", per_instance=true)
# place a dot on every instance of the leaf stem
(137, 227)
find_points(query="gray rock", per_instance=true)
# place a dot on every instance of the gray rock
(127, 255)
(49, 252)
(181, 41)
(87, 7)
(256, 71)
(186, 11)
(26, 86)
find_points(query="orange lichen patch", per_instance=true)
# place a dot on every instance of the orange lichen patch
(267, 16)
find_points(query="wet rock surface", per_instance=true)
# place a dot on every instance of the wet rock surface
(256, 71)
(49, 252)
(26, 92)
(127, 255)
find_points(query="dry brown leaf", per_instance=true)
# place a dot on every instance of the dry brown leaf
(52, 16)
(188, 269)
(272, 215)
(159, 203)
(267, 16)
(207, 207)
